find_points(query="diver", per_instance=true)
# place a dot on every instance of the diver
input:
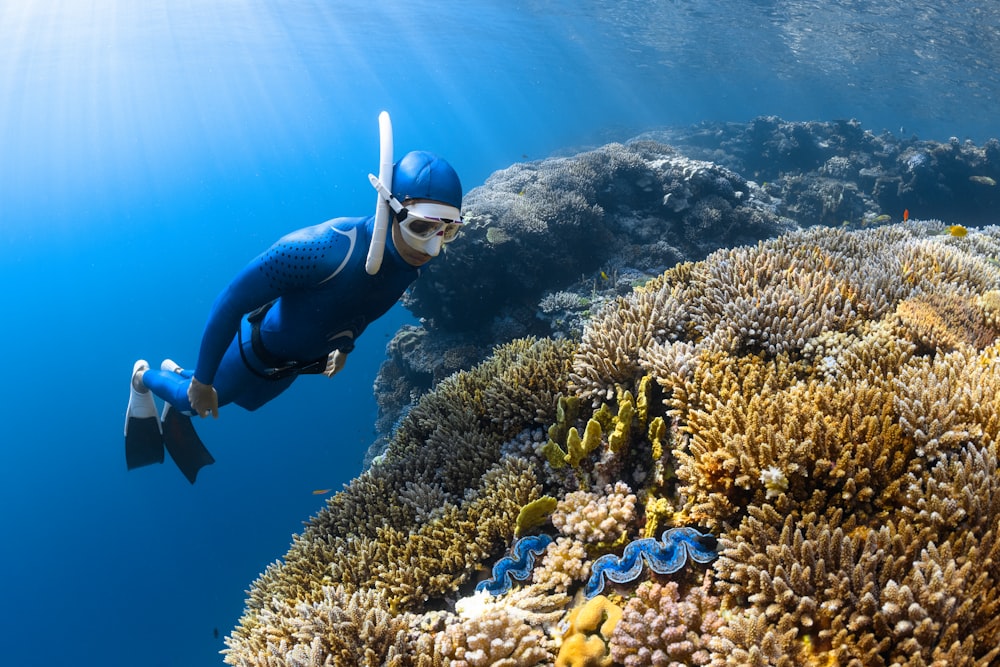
(297, 308)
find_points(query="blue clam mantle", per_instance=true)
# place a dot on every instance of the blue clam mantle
(516, 566)
(663, 557)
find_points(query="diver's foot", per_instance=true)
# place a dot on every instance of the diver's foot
(170, 366)
(138, 369)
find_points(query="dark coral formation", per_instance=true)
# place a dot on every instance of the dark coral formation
(827, 403)
(551, 241)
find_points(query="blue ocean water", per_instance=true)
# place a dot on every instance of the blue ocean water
(149, 149)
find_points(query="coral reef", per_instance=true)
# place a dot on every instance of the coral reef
(595, 518)
(827, 403)
(497, 638)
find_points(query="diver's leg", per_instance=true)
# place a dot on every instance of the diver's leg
(170, 386)
(235, 383)
(182, 441)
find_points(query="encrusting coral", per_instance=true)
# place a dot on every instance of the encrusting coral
(827, 404)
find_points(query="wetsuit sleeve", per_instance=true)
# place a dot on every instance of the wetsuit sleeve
(297, 261)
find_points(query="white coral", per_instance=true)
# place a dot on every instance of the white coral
(593, 518)
(774, 481)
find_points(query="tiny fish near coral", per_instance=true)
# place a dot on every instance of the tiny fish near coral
(664, 557)
(516, 566)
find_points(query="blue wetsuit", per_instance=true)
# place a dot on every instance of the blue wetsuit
(321, 300)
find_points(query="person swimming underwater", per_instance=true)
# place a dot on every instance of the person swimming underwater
(297, 309)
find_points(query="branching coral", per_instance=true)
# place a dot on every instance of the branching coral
(340, 629)
(662, 628)
(377, 534)
(497, 638)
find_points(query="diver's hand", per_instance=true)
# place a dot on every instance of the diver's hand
(203, 399)
(334, 363)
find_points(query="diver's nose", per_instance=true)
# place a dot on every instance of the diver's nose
(433, 247)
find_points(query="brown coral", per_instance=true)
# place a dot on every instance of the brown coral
(379, 534)
(945, 321)
(341, 629)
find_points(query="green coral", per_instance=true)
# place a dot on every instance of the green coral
(534, 514)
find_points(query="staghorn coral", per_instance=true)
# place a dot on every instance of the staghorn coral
(373, 536)
(662, 628)
(945, 321)
(340, 629)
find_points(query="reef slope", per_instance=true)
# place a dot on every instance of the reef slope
(825, 403)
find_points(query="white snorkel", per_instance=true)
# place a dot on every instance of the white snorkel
(383, 184)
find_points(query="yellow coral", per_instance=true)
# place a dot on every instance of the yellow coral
(534, 514)
(578, 448)
(619, 437)
(643, 398)
(585, 642)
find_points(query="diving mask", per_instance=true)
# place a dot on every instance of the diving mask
(428, 225)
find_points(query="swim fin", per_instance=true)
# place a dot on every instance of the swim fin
(143, 437)
(183, 443)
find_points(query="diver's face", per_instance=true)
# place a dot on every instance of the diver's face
(423, 232)
(410, 255)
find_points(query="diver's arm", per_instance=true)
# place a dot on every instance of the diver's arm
(335, 363)
(249, 290)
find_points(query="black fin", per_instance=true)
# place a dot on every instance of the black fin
(183, 443)
(143, 442)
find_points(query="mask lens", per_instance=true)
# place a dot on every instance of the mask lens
(451, 231)
(422, 227)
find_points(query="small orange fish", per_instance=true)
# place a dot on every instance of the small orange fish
(321, 492)
(906, 214)
(957, 230)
